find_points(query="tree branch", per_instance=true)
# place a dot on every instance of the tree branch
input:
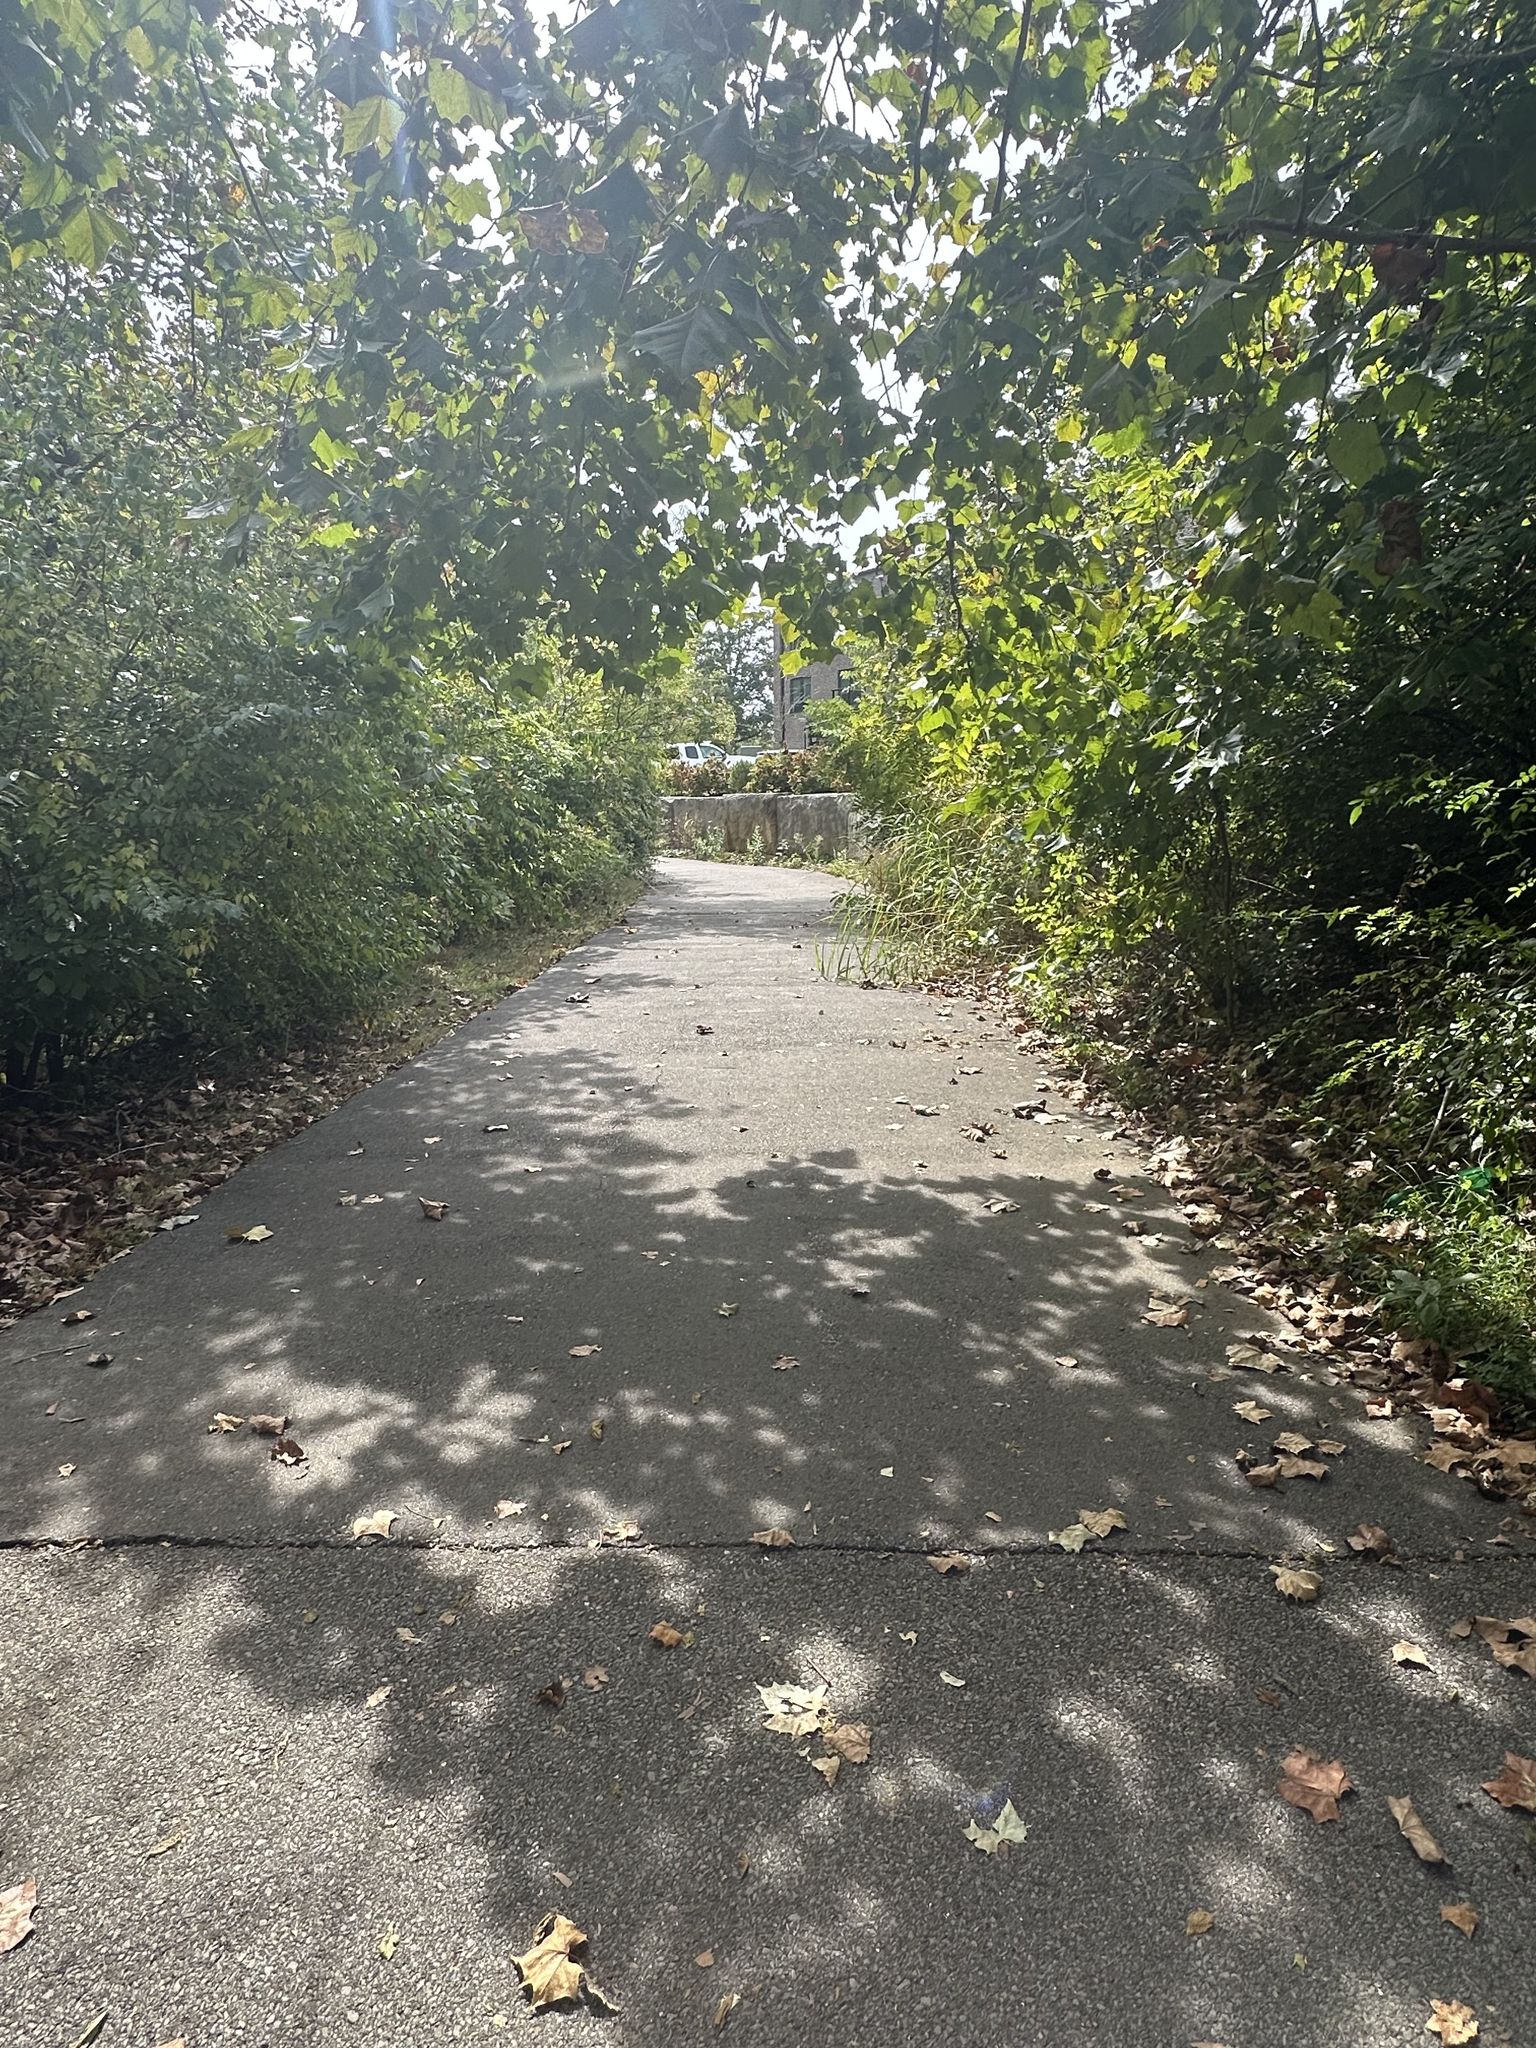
(1360, 235)
(1010, 105)
(922, 112)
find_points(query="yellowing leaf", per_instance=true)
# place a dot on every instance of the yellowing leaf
(1422, 1842)
(257, 1234)
(389, 1941)
(1165, 1313)
(795, 1710)
(1073, 1537)
(376, 1524)
(1005, 1829)
(1410, 1653)
(1200, 1921)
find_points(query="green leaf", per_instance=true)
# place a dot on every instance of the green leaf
(1355, 450)
(372, 124)
(88, 233)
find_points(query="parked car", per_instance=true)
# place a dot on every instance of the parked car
(694, 753)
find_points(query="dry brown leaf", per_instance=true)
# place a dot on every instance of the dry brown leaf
(434, 1212)
(68, 1471)
(1371, 1540)
(77, 1315)
(1301, 1468)
(547, 1970)
(1418, 1837)
(1262, 1475)
(795, 1710)
(1516, 1783)
(1252, 1411)
(705, 1959)
(266, 1425)
(1293, 1441)
(1164, 1313)
(286, 1452)
(622, 1532)
(773, 1539)
(257, 1234)
(1101, 1521)
(1072, 1538)
(1410, 1653)
(729, 2000)
(945, 1561)
(225, 1425)
(850, 1741)
(1465, 1916)
(1454, 2022)
(1251, 1358)
(555, 1694)
(584, 1350)
(1444, 1457)
(1296, 1584)
(999, 1833)
(509, 1507)
(378, 1696)
(1513, 1643)
(376, 1524)
(594, 1677)
(1200, 1921)
(17, 1905)
(1316, 1787)
(828, 1766)
(664, 1633)
(784, 1363)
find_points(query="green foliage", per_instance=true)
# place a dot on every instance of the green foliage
(1473, 1290)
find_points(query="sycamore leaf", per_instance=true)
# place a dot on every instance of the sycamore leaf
(1516, 1783)
(850, 1741)
(1165, 1313)
(795, 1710)
(946, 1561)
(372, 124)
(267, 1425)
(773, 1539)
(1101, 1521)
(1072, 1538)
(1005, 1829)
(17, 1905)
(1301, 1468)
(784, 1363)
(434, 1212)
(1371, 1540)
(1295, 1584)
(1454, 2022)
(1422, 1842)
(1316, 1787)
(1410, 1653)
(595, 1677)
(547, 1970)
(828, 1766)
(1252, 1411)
(1465, 1916)
(509, 1507)
(1291, 1440)
(1251, 1358)
(376, 1524)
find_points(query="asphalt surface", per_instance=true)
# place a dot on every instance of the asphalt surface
(224, 1830)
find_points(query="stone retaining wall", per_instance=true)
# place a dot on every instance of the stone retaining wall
(766, 822)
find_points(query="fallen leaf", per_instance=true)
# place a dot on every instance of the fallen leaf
(434, 1212)
(389, 1941)
(1297, 1585)
(1252, 1411)
(1465, 1916)
(595, 1677)
(267, 1425)
(225, 1425)
(257, 1234)
(77, 1315)
(795, 1710)
(828, 1766)
(376, 1524)
(1200, 1921)
(1312, 1785)
(547, 1970)
(1165, 1313)
(664, 1633)
(1454, 2022)
(1073, 1537)
(555, 1694)
(1410, 1653)
(728, 2003)
(773, 1539)
(584, 1350)
(1301, 1468)
(1418, 1837)
(999, 1206)
(1262, 1475)
(1330, 1447)
(622, 1532)
(1251, 1358)
(67, 1471)
(1516, 1783)
(728, 1308)
(1101, 1521)
(286, 1452)
(850, 1741)
(944, 1561)
(509, 1507)
(17, 1905)
(705, 1959)
(1444, 1457)
(1293, 1441)
(488, 1128)
(1513, 1643)
(1371, 1540)
(90, 2030)
(1005, 1829)
(406, 1635)
(378, 1696)
(949, 1678)
(167, 1843)
(784, 1363)
(597, 1430)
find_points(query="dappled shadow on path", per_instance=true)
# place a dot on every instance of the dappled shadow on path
(964, 1376)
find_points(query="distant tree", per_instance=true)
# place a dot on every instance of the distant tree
(738, 660)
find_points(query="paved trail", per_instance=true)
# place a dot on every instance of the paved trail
(686, 1114)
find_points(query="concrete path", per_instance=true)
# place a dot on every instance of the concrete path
(243, 1753)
